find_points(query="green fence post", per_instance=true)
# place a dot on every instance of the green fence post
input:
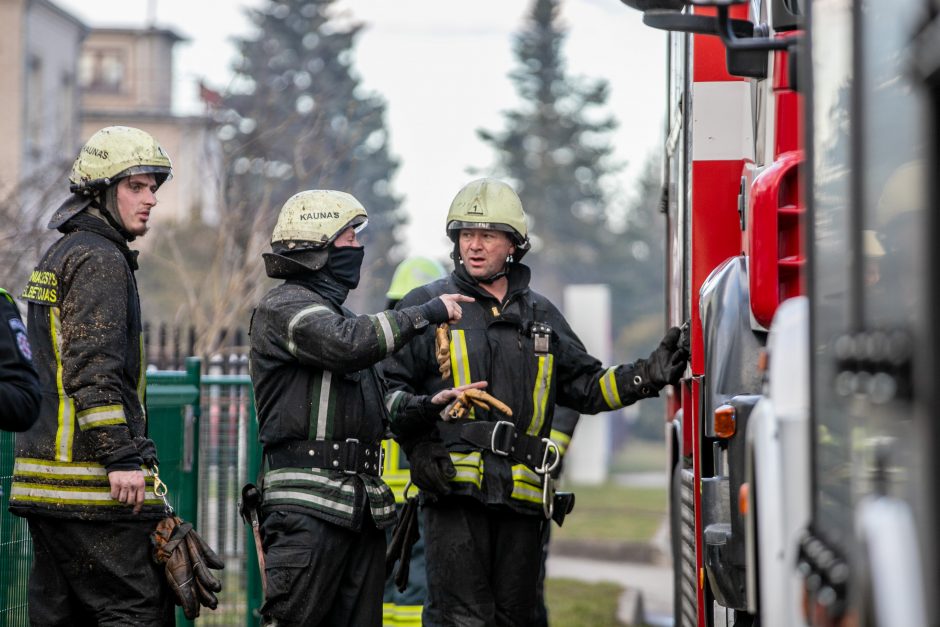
(172, 417)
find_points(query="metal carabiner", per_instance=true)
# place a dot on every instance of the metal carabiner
(160, 489)
(548, 483)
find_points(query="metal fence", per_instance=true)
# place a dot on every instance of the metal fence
(15, 547)
(206, 432)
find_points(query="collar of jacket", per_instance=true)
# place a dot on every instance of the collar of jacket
(84, 221)
(325, 285)
(518, 276)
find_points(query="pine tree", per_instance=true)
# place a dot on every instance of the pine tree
(556, 151)
(300, 119)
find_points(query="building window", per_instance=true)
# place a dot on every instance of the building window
(34, 93)
(102, 71)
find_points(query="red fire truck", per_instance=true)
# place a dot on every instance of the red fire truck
(800, 148)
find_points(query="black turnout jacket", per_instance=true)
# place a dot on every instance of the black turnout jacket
(531, 359)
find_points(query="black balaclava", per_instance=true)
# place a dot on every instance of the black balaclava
(345, 265)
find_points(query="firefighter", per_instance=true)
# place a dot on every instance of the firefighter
(322, 416)
(81, 475)
(403, 608)
(483, 475)
(19, 384)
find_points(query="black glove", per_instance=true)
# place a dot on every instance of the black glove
(431, 467)
(667, 363)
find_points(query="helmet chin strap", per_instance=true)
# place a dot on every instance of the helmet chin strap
(485, 280)
(103, 202)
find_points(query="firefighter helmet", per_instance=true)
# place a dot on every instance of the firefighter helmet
(314, 218)
(411, 273)
(116, 152)
(489, 204)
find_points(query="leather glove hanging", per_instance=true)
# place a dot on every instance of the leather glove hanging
(442, 350)
(431, 468)
(186, 559)
(468, 398)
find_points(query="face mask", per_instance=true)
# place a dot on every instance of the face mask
(345, 264)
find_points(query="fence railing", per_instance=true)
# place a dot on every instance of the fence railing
(206, 431)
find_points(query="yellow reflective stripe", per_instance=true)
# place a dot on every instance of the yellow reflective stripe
(402, 615)
(101, 416)
(65, 471)
(460, 362)
(543, 381)
(469, 467)
(526, 485)
(608, 383)
(71, 495)
(300, 315)
(142, 381)
(65, 416)
(560, 438)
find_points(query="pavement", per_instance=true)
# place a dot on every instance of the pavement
(646, 578)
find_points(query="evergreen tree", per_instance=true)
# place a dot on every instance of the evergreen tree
(556, 151)
(300, 119)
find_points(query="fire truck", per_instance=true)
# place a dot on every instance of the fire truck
(801, 146)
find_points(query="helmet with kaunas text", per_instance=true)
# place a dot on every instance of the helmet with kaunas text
(489, 204)
(116, 152)
(314, 218)
(411, 273)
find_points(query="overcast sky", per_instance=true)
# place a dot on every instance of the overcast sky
(442, 66)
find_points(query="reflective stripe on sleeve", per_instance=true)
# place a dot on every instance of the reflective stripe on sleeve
(300, 315)
(101, 417)
(387, 332)
(560, 438)
(393, 402)
(608, 383)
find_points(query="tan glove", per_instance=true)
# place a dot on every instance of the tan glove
(442, 343)
(458, 409)
(187, 559)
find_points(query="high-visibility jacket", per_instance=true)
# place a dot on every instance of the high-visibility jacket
(531, 359)
(312, 368)
(87, 341)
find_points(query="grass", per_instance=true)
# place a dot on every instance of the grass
(578, 604)
(640, 456)
(614, 513)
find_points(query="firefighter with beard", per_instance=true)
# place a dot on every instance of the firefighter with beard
(322, 416)
(81, 474)
(483, 470)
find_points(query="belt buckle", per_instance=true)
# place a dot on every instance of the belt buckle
(353, 468)
(493, 447)
(381, 459)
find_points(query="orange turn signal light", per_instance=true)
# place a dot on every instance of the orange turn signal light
(744, 498)
(725, 421)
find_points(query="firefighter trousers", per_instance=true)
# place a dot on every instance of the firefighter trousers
(319, 573)
(482, 564)
(96, 573)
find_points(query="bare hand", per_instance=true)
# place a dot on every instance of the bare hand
(451, 301)
(128, 487)
(445, 396)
